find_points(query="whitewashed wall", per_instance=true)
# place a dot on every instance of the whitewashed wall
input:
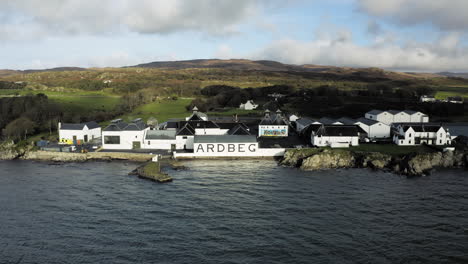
(126, 139)
(80, 134)
(328, 141)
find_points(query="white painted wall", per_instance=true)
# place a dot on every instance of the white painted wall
(441, 137)
(320, 141)
(80, 134)
(210, 131)
(231, 150)
(377, 130)
(126, 139)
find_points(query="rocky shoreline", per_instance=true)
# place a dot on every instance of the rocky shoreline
(10, 151)
(413, 164)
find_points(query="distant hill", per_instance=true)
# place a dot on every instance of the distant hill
(267, 66)
(58, 69)
(463, 75)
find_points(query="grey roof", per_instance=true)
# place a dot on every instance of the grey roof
(68, 126)
(347, 121)
(160, 134)
(338, 130)
(374, 112)
(327, 121)
(395, 112)
(366, 121)
(199, 124)
(225, 139)
(422, 127)
(410, 112)
(304, 121)
(118, 125)
(135, 126)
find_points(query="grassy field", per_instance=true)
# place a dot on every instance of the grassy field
(444, 94)
(86, 103)
(73, 101)
(391, 149)
(161, 110)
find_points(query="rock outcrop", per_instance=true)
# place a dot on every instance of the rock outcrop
(152, 171)
(328, 159)
(414, 164)
(10, 151)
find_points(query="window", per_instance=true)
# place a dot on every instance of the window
(111, 139)
(184, 137)
(149, 142)
(409, 135)
(409, 142)
(136, 136)
(440, 141)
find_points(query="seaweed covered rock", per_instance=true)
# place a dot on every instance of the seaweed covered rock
(152, 171)
(329, 159)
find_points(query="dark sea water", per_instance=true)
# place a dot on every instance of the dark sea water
(229, 212)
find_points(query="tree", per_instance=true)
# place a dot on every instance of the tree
(19, 128)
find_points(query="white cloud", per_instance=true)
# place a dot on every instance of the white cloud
(444, 54)
(444, 14)
(57, 17)
(224, 52)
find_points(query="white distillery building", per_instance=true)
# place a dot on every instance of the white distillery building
(178, 135)
(273, 125)
(374, 129)
(249, 105)
(73, 133)
(335, 136)
(229, 146)
(393, 116)
(124, 136)
(417, 134)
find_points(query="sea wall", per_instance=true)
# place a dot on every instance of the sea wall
(413, 164)
(81, 157)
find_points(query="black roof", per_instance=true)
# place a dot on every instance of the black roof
(199, 124)
(186, 130)
(230, 125)
(90, 125)
(238, 130)
(273, 119)
(338, 130)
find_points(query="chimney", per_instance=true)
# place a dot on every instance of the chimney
(59, 125)
(195, 109)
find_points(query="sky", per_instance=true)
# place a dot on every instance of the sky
(400, 35)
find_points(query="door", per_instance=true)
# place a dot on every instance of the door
(173, 147)
(136, 145)
(85, 138)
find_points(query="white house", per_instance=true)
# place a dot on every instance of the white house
(120, 135)
(455, 100)
(381, 116)
(249, 105)
(335, 136)
(76, 133)
(160, 139)
(416, 134)
(273, 125)
(374, 129)
(427, 99)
